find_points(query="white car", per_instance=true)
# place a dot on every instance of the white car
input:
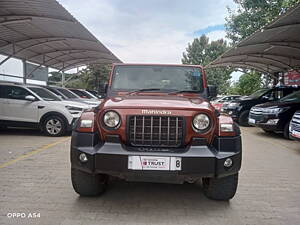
(32, 106)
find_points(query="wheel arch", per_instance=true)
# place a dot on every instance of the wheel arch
(53, 113)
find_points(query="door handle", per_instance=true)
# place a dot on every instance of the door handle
(41, 106)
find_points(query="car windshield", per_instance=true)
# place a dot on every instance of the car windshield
(44, 94)
(258, 93)
(294, 97)
(81, 94)
(175, 78)
(67, 93)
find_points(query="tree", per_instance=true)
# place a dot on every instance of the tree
(202, 52)
(91, 77)
(247, 84)
(252, 15)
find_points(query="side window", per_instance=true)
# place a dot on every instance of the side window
(18, 93)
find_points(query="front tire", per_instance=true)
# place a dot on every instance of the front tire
(223, 188)
(286, 132)
(86, 184)
(243, 118)
(54, 126)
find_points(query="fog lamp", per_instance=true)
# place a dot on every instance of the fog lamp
(273, 121)
(228, 163)
(83, 158)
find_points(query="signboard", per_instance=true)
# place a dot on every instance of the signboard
(292, 78)
(35, 72)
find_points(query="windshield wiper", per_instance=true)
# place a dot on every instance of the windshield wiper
(183, 91)
(144, 90)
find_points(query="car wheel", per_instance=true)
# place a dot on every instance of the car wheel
(54, 126)
(223, 188)
(286, 132)
(243, 118)
(86, 184)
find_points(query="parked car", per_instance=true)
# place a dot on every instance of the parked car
(36, 107)
(95, 93)
(66, 94)
(83, 93)
(217, 103)
(156, 125)
(295, 126)
(239, 109)
(275, 116)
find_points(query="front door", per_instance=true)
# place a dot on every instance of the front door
(17, 108)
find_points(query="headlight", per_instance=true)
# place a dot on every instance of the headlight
(201, 122)
(233, 105)
(271, 110)
(111, 119)
(72, 108)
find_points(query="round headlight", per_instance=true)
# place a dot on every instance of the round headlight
(201, 122)
(111, 119)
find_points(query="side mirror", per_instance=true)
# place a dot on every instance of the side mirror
(212, 91)
(265, 97)
(30, 98)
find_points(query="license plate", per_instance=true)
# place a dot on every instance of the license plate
(296, 134)
(154, 163)
(251, 121)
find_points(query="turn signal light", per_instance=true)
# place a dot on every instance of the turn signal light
(86, 122)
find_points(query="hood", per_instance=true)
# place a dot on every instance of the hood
(276, 104)
(71, 103)
(163, 102)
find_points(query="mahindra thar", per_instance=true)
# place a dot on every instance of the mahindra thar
(156, 124)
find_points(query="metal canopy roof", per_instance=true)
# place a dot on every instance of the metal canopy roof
(275, 48)
(43, 32)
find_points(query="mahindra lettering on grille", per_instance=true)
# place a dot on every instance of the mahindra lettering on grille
(156, 131)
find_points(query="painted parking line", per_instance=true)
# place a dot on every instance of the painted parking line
(33, 152)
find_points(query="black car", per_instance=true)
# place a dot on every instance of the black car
(295, 126)
(275, 116)
(239, 109)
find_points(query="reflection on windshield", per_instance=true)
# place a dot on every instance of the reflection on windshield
(44, 94)
(176, 78)
(258, 93)
(294, 97)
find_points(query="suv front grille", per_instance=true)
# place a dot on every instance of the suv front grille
(295, 123)
(155, 131)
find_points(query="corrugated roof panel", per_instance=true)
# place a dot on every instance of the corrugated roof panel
(277, 46)
(42, 29)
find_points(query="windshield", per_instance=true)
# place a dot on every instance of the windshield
(44, 94)
(67, 93)
(258, 93)
(81, 94)
(179, 78)
(294, 97)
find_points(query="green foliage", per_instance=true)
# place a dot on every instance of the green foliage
(252, 15)
(247, 84)
(202, 52)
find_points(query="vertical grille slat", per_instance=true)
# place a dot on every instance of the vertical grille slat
(155, 131)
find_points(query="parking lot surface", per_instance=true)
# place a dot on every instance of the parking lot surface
(35, 182)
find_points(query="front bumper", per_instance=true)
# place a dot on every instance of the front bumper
(266, 122)
(197, 161)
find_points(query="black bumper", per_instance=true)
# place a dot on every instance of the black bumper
(197, 161)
